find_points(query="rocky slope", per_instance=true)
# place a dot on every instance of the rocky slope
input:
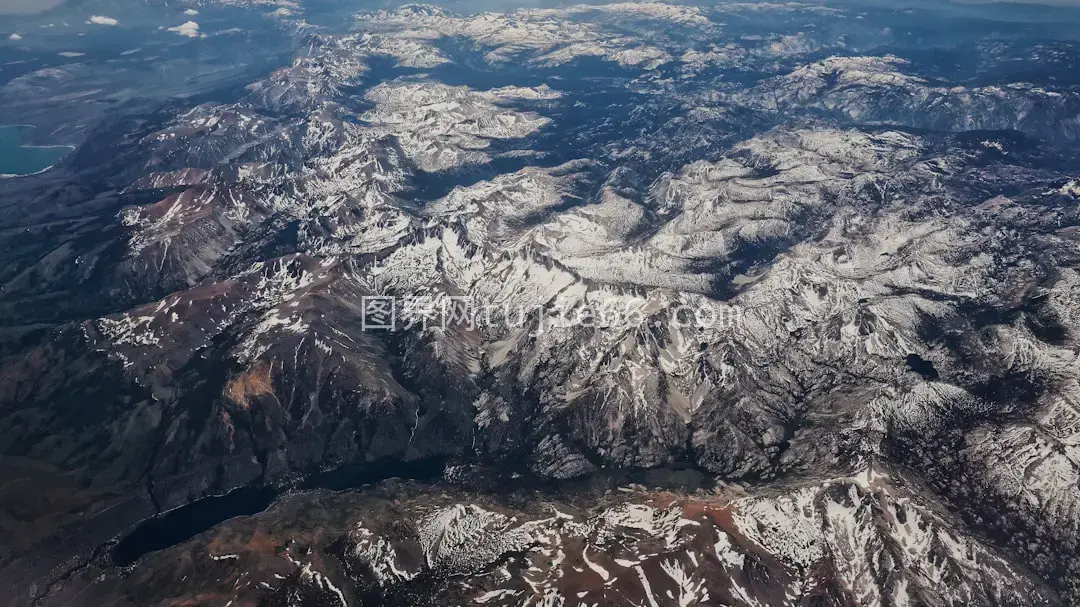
(857, 540)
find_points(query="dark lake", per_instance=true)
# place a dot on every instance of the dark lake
(19, 159)
(183, 523)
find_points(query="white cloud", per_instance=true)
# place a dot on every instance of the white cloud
(189, 29)
(101, 20)
(191, 12)
(15, 37)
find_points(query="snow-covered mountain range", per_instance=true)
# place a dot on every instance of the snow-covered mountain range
(774, 244)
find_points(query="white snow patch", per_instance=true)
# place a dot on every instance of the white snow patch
(1072, 188)
(224, 557)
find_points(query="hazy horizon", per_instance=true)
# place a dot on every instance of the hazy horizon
(21, 7)
(28, 7)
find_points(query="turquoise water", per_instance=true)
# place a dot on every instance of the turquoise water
(16, 159)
